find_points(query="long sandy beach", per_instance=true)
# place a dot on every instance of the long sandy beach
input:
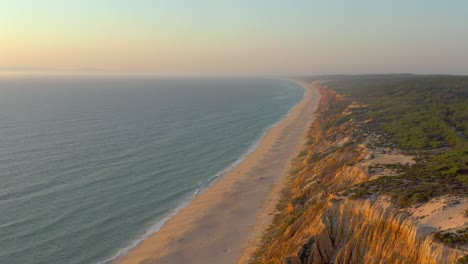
(225, 222)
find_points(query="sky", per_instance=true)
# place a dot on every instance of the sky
(255, 37)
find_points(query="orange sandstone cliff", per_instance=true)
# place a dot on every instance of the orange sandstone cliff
(321, 217)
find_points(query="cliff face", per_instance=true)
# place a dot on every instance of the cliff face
(319, 221)
(365, 232)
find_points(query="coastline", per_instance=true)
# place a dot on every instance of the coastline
(224, 223)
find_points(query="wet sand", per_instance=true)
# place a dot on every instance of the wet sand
(225, 222)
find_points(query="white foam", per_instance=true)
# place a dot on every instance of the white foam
(151, 230)
(203, 186)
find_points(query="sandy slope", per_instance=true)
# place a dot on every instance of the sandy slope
(223, 223)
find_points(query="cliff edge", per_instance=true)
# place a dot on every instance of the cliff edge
(351, 196)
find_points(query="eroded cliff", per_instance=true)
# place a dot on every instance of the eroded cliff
(323, 218)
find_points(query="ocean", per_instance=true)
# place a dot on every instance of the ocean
(91, 166)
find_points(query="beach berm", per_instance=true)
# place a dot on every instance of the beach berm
(225, 222)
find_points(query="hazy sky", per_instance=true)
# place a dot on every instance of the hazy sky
(194, 37)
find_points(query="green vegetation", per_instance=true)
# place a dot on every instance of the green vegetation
(421, 112)
(459, 237)
(463, 260)
(422, 116)
(290, 221)
(425, 115)
(441, 174)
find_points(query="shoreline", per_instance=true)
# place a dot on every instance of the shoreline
(154, 228)
(227, 218)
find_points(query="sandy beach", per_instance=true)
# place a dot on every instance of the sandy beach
(224, 223)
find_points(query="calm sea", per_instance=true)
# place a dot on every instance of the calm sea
(89, 167)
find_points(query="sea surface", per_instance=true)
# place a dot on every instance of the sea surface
(89, 167)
